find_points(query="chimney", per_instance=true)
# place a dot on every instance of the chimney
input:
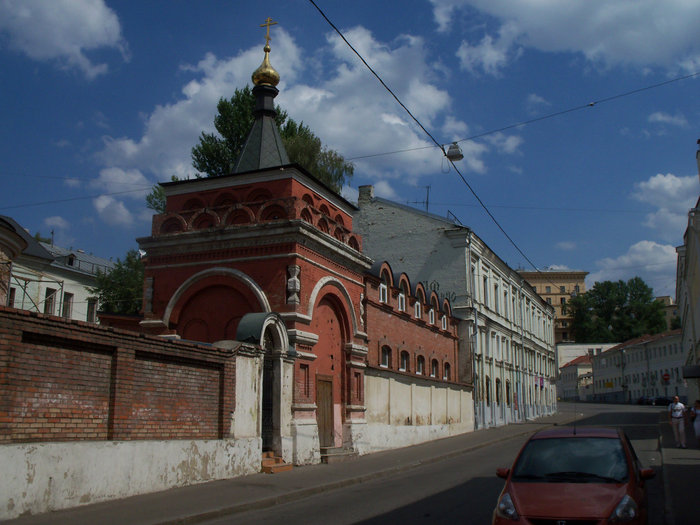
(366, 194)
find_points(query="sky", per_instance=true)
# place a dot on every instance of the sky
(577, 125)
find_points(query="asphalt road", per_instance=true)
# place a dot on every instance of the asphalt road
(462, 489)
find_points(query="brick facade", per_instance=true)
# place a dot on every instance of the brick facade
(71, 381)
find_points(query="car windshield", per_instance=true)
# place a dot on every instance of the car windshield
(574, 459)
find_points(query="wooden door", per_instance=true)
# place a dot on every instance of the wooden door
(324, 411)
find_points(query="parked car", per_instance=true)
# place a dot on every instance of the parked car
(590, 474)
(662, 401)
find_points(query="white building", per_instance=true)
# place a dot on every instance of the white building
(647, 367)
(507, 329)
(688, 299)
(53, 280)
(575, 379)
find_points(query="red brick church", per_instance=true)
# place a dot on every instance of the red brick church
(268, 254)
(264, 328)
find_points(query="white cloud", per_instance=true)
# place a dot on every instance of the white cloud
(62, 31)
(506, 144)
(653, 262)
(112, 211)
(672, 196)
(660, 117)
(637, 32)
(535, 104)
(56, 222)
(490, 55)
(116, 180)
(566, 246)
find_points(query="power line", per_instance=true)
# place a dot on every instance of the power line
(437, 144)
(543, 117)
(72, 199)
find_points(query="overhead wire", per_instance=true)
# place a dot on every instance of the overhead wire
(485, 133)
(464, 180)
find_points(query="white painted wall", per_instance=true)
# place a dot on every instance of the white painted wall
(41, 477)
(400, 413)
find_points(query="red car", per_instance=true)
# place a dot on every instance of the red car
(574, 475)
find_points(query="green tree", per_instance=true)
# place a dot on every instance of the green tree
(616, 312)
(120, 290)
(217, 153)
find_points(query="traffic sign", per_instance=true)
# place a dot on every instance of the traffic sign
(666, 377)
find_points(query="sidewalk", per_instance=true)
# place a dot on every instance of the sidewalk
(197, 503)
(681, 475)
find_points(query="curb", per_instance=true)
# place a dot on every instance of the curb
(319, 489)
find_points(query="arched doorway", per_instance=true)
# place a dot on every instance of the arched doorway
(330, 325)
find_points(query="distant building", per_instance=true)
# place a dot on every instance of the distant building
(688, 296)
(557, 287)
(505, 327)
(51, 280)
(567, 352)
(670, 310)
(575, 379)
(646, 367)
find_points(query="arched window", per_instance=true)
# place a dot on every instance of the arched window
(434, 368)
(402, 297)
(447, 375)
(403, 365)
(444, 322)
(420, 365)
(431, 316)
(385, 357)
(384, 288)
(417, 311)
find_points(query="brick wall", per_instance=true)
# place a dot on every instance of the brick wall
(64, 380)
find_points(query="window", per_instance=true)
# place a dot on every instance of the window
(562, 289)
(488, 390)
(11, 297)
(547, 289)
(447, 376)
(91, 310)
(486, 291)
(549, 300)
(67, 309)
(49, 301)
(417, 310)
(420, 365)
(433, 368)
(71, 260)
(577, 288)
(496, 301)
(444, 322)
(402, 299)
(385, 357)
(431, 315)
(403, 365)
(383, 295)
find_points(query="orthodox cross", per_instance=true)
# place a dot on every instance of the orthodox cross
(268, 23)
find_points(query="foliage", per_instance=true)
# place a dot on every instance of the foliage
(38, 237)
(616, 312)
(156, 199)
(120, 290)
(216, 154)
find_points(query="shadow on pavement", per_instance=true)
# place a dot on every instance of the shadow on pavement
(461, 504)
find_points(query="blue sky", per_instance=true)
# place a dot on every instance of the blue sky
(101, 98)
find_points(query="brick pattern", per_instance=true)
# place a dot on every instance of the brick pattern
(63, 380)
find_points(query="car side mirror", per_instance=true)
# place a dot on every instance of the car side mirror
(647, 473)
(503, 472)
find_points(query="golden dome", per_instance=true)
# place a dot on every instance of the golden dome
(266, 75)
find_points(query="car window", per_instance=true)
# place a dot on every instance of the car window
(584, 459)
